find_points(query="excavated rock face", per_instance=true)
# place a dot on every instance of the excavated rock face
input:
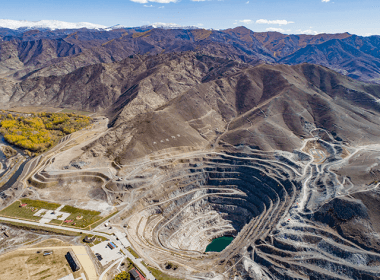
(204, 147)
(264, 200)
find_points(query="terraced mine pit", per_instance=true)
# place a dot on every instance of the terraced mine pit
(266, 200)
(277, 206)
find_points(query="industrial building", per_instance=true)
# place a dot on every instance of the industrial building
(71, 260)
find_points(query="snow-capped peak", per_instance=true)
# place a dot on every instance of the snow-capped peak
(165, 25)
(47, 24)
(117, 26)
(170, 26)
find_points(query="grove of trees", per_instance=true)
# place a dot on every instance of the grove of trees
(37, 132)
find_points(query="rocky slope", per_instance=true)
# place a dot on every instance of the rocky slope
(57, 52)
(267, 107)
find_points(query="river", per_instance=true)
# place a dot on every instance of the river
(3, 159)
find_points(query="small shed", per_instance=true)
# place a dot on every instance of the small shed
(135, 275)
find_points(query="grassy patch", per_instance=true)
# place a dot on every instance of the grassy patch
(94, 225)
(160, 275)
(14, 210)
(81, 217)
(133, 252)
(56, 222)
(40, 204)
(37, 132)
(40, 228)
(98, 239)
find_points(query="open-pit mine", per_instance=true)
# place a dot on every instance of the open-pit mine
(288, 212)
(277, 165)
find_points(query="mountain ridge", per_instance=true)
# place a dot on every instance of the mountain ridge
(46, 24)
(57, 52)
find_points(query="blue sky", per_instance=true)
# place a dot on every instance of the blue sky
(287, 16)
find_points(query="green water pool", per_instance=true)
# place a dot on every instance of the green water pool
(219, 244)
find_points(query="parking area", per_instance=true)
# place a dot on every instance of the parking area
(108, 255)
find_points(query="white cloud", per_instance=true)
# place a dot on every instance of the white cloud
(278, 21)
(325, 1)
(247, 2)
(276, 29)
(155, 1)
(148, 6)
(162, 7)
(246, 21)
(308, 32)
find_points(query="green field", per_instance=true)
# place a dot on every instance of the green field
(15, 211)
(160, 275)
(92, 226)
(40, 204)
(133, 252)
(81, 218)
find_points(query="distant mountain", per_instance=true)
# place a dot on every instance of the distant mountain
(48, 51)
(46, 25)
(283, 45)
(43, 25)
(169, 26)
(341, 56)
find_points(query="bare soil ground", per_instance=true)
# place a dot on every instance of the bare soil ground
(315, 149)
(362, 168)
(79, 194)
(38, 109)
(27, 264)
(53, 242)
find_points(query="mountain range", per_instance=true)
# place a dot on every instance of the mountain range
(25, 53)
(272, 138)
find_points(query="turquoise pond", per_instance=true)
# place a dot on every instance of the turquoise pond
(219, 244)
